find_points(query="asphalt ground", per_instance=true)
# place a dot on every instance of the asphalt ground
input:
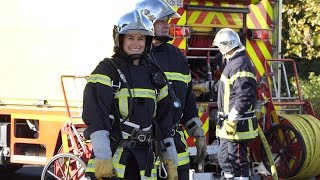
(27, 172)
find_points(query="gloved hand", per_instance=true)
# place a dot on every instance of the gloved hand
(170, 160)
(231, 127)
(201, 146)
(171, 169)
(101, 147)
(231, 123)
(198, 89)
(104, 168)
(194, 129)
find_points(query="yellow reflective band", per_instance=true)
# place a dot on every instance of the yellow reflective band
(183, 138)
(183, 158)
(250, 134)
(226, 94)
(157, 162)
(152, 177)
(123, 96)
(241, 74)
(120, 168)
(250, 125)
(163, 93)
(174, 76)
(136, 92)
(90, 166)
(117, 155)
(123, 106)
(99, 78)
(227, 83)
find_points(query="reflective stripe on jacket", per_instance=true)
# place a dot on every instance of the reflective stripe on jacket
(236, 89)
(175, 66)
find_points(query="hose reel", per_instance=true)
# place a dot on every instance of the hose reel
(294, 144)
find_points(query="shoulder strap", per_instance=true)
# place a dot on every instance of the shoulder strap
(114, 110)
(116, 83)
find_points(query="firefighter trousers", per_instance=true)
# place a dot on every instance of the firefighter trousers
(233, 157)
(131, 173)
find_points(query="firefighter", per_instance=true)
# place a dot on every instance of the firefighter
(122, 106)
(173, 62)
(237, 123)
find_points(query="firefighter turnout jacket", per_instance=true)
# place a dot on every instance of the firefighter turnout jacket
(175, 66)
(104, 87)
(236, 89)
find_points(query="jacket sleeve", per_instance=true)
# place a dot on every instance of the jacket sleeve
(244, 85)
(164, 113)
(97, 99)
(190, 110)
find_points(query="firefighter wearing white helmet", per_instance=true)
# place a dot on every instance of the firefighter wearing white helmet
(174, 63)
(119, 105)
(237, 123)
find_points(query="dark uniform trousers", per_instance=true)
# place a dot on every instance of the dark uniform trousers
(131, 173)
(233, 154)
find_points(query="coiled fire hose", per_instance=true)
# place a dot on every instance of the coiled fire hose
(309, 128)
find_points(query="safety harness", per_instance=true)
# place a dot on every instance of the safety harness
(138, 138)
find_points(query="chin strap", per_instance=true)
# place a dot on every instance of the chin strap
(163, 38)
(129, 57)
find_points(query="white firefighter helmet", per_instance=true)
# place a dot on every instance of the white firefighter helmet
(156, 9)
(226, 40)
(133, 23)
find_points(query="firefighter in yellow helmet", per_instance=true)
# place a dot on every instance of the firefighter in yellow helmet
(174, 63)
(237, 123)
(121, 105)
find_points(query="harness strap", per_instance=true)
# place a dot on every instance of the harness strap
(131, 144)
(146, 145)
(118, 135)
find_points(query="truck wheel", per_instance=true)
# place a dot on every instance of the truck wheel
(288, 150)
(5, 168)
(64, 166)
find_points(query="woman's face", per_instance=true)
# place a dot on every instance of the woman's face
(134, 43)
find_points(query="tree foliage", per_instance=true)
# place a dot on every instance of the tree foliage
(301, 41)
(301, 29)
(309, 91)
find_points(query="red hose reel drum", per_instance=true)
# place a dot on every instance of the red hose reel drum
(199, 41)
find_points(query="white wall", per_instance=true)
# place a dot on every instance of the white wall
(40, 40)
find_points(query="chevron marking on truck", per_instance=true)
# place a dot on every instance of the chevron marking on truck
(260, 17)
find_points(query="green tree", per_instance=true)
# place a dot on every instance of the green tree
(301, 29)
(310, 91)
(301, 42)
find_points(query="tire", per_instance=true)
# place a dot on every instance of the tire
(64, 166)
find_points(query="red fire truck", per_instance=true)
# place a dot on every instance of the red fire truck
(47, 132)
(288, 126)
